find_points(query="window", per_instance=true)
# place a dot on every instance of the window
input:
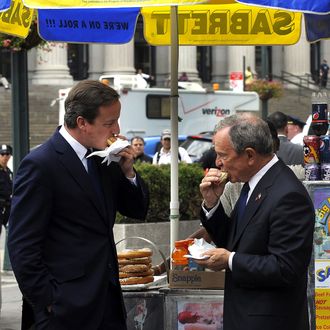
(158, 107)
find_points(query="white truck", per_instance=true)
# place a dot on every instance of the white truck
(146, 111)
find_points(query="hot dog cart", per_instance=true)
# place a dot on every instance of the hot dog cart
(160, 307)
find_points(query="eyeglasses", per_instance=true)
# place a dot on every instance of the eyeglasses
(5, 154)
(167, 139)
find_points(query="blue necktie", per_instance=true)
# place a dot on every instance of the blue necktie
(241, 203)
(94, 175)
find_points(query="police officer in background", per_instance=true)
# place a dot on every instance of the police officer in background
(6, 184)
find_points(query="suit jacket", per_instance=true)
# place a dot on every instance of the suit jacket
(290, 153)
(61, 242)
(266, 288)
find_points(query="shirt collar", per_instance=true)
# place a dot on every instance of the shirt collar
(162, 152)
(79, 149)
(257, 177)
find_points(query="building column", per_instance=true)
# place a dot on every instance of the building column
(325, 50)
(51, 66)
(235, 58)
(163, 66)
(119, 59)
(277, 60)
(32, 60)
(188, 62)
(220, 64)
(96, 61)
(297, 57)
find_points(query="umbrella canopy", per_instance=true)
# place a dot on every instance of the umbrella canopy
(208, 25)
(317, 14)
(305, 6)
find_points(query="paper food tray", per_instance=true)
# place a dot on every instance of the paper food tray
(158, 282)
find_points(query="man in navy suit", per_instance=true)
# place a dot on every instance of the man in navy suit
(265, 244)
(61, 242)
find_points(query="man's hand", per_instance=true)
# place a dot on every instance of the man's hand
(218, 259)
(212, 187)
(127, 159)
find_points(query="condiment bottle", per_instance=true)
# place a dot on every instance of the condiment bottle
(319, 113)
(178, 261)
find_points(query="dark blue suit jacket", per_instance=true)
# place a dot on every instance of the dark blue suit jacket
(267, 287)
(61, 243)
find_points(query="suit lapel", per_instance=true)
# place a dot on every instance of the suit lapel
(75, 168)
(255, 201)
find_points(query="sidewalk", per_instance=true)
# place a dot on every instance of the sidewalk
(11, 298)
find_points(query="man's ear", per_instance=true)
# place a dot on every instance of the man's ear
(251, 155)
(81, 122)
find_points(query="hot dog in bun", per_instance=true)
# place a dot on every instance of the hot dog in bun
(111, 140)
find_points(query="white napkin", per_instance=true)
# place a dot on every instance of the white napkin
(110, 152)
(200, 246)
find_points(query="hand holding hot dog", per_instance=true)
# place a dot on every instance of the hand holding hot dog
(212, 186)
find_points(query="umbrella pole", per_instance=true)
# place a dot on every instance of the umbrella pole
(174, 203)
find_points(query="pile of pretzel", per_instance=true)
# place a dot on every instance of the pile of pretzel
(135, 266)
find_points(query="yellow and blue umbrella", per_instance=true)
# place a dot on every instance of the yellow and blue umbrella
(316, 12)
(304, 6)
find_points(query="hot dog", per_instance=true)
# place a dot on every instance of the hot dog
(111, 140)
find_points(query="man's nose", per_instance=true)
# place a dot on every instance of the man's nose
(218, 162)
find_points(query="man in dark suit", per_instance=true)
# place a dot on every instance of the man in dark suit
(290, 153)
(61, 242)
(265, 244)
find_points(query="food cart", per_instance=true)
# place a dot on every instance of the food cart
(157, 306)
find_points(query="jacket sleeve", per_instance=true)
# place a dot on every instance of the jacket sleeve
(133, 199)
(217, 226)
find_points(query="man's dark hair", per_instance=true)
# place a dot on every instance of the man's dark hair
(85, 99)
(273, 132)
(137, 138)
(279, 120)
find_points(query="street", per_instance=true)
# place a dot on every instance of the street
(10, 318)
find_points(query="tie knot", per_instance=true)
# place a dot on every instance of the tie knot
(88, 152)
(246, 188)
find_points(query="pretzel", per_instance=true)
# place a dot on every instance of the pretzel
(143, 274)
(134, 268)
(136, 280)
(134, 261)
(137, 253)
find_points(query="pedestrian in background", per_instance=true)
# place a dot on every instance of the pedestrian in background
(6, 184)
(265, 244)
(209, 157)
(137, 142)
(295, 130)
(61, 243)
(163, 156)
(324, 70)
(249, 76)
(289, 153)
(183, 77)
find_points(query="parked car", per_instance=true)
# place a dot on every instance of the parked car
(152, 144)
(196, 145)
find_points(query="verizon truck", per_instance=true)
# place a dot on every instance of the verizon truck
(146, 111)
